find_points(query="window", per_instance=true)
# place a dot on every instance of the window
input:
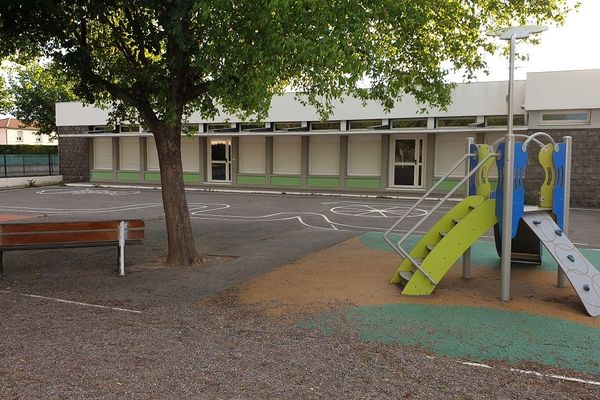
(19, 136)
(449, 147)
(565, 118)
(129, 154)
(247, 126)
(190, 129)
(284, 126)
(325, 126)
(102, 129)
(287, 153)
(252, 154)
(38, 139)
(409, 123)
(103, 153)
(129, 128)
(501, 120)
(364, 124)
(190, 153)
(217, 127)
(364, 155)
(151, 155)
(454, 122)
(324, 155)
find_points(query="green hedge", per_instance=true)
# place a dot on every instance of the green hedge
(27, 149)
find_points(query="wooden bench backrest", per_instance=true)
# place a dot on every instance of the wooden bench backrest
(24, 234)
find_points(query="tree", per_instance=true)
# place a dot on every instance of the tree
(34, 90)
(5, 101)
(167, 58)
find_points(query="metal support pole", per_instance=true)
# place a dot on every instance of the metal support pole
(568, 141)
(122, 228)
(466, 264)
(5, 169)
(509, 171)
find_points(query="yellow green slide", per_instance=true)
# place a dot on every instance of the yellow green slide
(445, 242)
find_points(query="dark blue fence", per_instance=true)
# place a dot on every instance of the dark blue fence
(16, 165)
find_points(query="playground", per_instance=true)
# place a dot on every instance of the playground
(294, 300)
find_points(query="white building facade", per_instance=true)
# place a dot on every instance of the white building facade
(14, 132)
(361, 148)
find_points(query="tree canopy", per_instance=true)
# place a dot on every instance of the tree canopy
(167, 58)
(32, 93)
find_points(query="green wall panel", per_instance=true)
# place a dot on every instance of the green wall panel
(152, 176)
(363, 183)
(191, 178)
(323, 182)
(101, 175)
(128, 176)
(250, 180)
(286, 181)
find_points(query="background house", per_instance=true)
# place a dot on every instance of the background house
(13, 131)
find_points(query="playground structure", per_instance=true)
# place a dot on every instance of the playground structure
(519, 230)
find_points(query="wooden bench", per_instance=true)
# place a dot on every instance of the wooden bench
(55, 235)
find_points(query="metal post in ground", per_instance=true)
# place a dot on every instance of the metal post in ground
(466, 264)
(568, 141)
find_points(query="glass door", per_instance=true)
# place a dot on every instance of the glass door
(407, 162)
(220, 159)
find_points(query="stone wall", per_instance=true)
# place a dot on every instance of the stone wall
(585, 172)
(74, 154)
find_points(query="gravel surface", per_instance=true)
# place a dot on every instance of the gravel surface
(220, 349)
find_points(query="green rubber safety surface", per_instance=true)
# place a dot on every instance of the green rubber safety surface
(474, 333)
(483, 252)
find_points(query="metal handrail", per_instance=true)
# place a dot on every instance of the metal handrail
(397, 247)
(532, 137)
(519, 135)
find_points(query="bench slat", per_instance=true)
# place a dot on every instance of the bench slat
(66, 237)
(66, 226)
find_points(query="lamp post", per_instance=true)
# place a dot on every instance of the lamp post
(511, 34)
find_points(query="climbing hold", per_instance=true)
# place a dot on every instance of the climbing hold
(586, 288)
(558, 232)
(571, 258)
(536, 222)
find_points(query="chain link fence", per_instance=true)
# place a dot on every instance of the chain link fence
(18, 165)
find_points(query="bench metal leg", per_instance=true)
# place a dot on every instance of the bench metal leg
(122, 227)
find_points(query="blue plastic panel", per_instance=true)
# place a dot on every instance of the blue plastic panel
(473, 161)
(559, 158)
(518, 204)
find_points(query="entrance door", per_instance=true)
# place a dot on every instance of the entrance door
(220, 159)
(407, 162)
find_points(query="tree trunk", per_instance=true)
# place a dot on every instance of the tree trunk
(181, 247)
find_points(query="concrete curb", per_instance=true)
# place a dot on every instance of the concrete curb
(6, 183)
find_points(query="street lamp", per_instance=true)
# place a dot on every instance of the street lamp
(512, 34)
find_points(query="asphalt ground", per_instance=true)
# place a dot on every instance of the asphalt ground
(72, 329)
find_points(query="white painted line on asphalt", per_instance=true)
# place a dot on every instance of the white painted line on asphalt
(559, 377)
(79, 303)
(474, 364)
(523, 371)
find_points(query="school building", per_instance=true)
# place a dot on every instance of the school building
(360, 149)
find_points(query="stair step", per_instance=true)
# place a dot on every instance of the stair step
(443, 233)
(456, 220)
(406, 275)
(430, 247)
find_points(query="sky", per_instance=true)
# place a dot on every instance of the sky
(571, 46)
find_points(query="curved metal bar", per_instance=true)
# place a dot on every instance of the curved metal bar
(519, 135)
(534, 135)
(397, 246)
